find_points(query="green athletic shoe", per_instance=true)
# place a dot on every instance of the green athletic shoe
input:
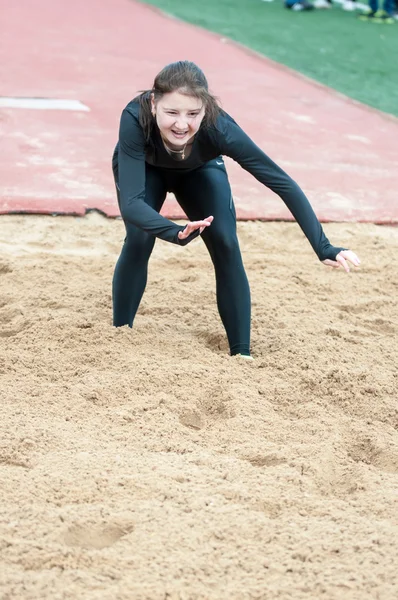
(383, 17)
(387, 19)
(370, 15)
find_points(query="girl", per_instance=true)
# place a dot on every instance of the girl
(172, 138)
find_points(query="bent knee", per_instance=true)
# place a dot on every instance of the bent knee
(224, 244)
(138, 246)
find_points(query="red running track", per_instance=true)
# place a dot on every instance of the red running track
(343, 154)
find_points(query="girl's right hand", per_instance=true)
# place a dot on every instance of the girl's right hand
(193, 226)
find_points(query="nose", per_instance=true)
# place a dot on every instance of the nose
(181, 123)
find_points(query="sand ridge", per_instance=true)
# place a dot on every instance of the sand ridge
(148, 464)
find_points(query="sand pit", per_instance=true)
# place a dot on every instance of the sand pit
(149, 465)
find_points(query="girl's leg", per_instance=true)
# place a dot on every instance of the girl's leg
(131, 271)
(388, 7)
(206, 192)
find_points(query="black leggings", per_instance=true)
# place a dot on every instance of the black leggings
(200, 193)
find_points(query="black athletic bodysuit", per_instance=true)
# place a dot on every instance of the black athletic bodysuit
(144, 172)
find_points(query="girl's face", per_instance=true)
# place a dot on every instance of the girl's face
(178, 117)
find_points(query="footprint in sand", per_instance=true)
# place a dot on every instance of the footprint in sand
(213, 341)
(14, 460)
(189, 279)
(192, 419)
(5, 267)
(155, 310)
(216, 406)
(4, 301)
(362, 307)
(266, 461)
(378, 325)
(95, 537)
(368, 451)
(12, 321)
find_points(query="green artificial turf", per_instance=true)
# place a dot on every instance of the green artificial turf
(359, 59)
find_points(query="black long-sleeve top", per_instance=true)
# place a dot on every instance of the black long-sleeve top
(224, 138)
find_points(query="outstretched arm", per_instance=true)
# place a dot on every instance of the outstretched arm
(238, 145)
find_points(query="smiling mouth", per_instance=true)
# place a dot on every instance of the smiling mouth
(179, 133)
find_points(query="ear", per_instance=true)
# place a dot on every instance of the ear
(153, 105)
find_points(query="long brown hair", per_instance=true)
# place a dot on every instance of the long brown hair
(182, 76)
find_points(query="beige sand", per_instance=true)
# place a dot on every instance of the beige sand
(148, 464)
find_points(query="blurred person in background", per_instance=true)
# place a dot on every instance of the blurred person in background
(298, 5)
(323, 4)
(348, 5)
(377, 15)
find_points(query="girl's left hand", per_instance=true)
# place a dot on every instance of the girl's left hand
(342, 260)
